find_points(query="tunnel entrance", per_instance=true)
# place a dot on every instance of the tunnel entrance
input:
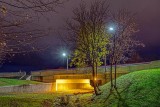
(69, 84)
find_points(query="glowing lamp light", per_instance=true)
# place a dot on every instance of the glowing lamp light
(111, 28)
(64, 54)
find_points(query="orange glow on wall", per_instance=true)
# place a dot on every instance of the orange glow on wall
(67, 84)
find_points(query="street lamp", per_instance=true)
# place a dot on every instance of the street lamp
(112, 30)
(65, 55)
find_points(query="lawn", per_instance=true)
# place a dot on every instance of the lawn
(136, 89)
(8, 82)
(42, 99)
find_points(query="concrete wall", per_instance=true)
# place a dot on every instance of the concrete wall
(12, 74)
(52, 78)
(31, 88)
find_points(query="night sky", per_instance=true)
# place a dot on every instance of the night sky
(148, 14)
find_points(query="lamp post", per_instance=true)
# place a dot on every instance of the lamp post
(112, 30)
(65, 55)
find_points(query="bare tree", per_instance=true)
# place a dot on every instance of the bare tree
(88, 37)
(123, 40)
(18, 29)
(34, 5)
(16, 36)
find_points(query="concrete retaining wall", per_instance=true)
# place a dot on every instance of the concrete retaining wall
(31, 88)
(12, 74)
(52, 78)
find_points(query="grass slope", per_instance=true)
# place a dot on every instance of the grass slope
(137, 89)
(8, 82)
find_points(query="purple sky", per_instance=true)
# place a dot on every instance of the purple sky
(148, 15)
(148, 18)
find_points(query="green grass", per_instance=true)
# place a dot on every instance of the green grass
(42, 100)
(136, 66)
(8, 82)
(28, 100)
(136, 89)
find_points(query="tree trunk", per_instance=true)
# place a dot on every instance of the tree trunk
(115, 74)
(97, 85)
(94, 82)
(111, 75)
(105, 63)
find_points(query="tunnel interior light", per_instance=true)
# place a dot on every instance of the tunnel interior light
(65, 84)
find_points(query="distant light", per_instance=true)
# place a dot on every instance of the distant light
(64, 54)
(111, 28)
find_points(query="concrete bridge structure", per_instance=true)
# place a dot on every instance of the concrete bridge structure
(64, 80)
